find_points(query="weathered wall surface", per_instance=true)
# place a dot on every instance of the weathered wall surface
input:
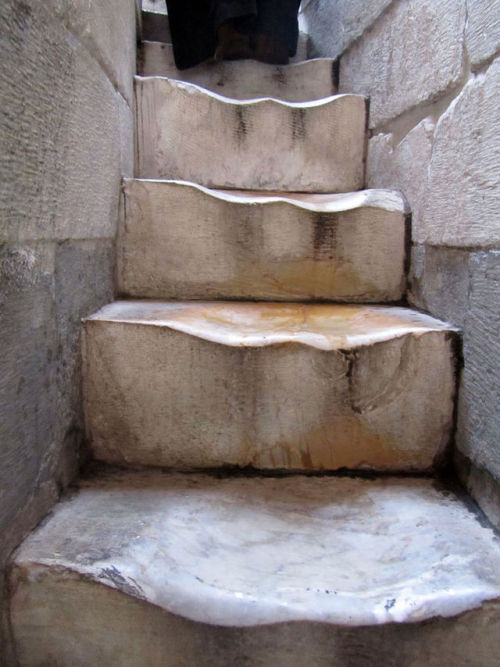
(66, 139)
(432, 70)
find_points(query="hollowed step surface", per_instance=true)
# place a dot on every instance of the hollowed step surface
(186, 132)
(180, 240)
(163, 570)
(245, 79)
(274, 386)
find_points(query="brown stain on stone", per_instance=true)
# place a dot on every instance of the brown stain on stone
(324, 239)
(298, 125)
(342, 442)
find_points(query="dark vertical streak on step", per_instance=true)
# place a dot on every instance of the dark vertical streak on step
(241, 126)
(324, 236)
(298, 125)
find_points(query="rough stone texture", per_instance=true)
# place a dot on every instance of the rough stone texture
(107, 29)
(463, 193)
(276, 386)
(181, 570)
(180, 240)
(66, 139)
(482, 486)
(246, 79)
(403, 166)
(333, 26)
(66, 142)
(482, 30)
(189, 133)
(411, 55)
(440, 281)
(478, 416)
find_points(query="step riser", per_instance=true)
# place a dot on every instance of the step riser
(155, 396)
(310, 80)
(186, 133)
(66, 620)
(179, 242)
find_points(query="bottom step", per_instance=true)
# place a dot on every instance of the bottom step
(153, 569)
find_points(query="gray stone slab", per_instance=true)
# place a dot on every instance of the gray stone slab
(482, 30)
(60, 158)
(463, 192)
(181, 570)
(411, 55)
(478, 415)
(333, 26)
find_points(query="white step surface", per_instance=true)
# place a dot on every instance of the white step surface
(245, 79)
(274, 386)
(180, 240)
(172, 570)
(189, 133)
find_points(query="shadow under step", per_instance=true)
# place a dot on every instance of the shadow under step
(189, 133)
(181, 570)
(273, 386)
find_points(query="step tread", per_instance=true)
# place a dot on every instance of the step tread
(243, 79)
(250, 551)
(246, 324)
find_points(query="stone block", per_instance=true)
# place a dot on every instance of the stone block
(482, 30)
(108, 31)
(482, 487)
(463, 192)
(273, 386)
(186, 132)
(182, 241)
(180, 570)
(403, 166)
(246, 79)
(439, 282)
(479, 398)
(410, 56)
(60, 133)
(333, 26)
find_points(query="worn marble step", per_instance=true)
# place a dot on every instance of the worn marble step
(174, 571)
(187, 132)
(181, 240)
(268, 385)
(245, 79)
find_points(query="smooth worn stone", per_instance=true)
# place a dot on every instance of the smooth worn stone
(412, 54)
(246, 79)
(180, 240)
(158, 569)
(463, 194)
(276, 386)
(482, 31)
(334, 26)
(196, 135)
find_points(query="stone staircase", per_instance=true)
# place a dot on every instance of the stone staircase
(260, 333)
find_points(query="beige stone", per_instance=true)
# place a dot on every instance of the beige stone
(482, 30)
(412, 54)
(463, 194)
(403, 165)
(107, 29)
(149, 569)
(334, 26)
(298, 387)
(180, 240)
(246, 79)
(187, 132)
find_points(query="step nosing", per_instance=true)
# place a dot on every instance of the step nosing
(254, 101)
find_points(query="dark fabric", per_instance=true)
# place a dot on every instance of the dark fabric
(194, 23)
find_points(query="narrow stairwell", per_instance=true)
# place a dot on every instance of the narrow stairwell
(269, 421)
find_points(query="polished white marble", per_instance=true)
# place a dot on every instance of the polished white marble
(251, 551)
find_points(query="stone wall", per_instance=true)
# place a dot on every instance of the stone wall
(66, 139)
(432, 71)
